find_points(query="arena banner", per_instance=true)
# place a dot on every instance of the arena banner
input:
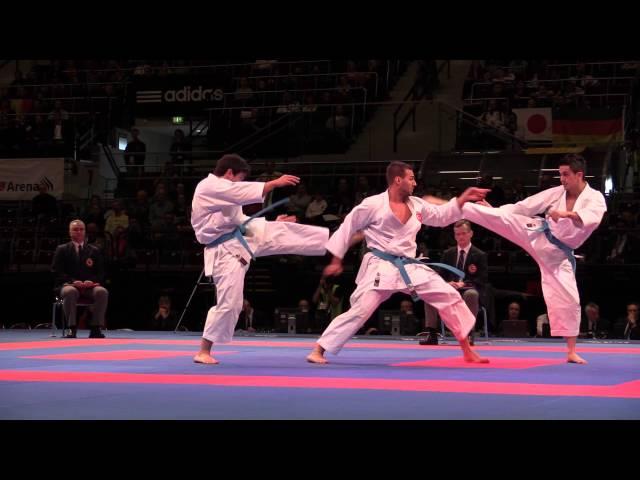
(20, 177)
(176, 94)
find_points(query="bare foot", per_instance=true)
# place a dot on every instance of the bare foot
(472, 357)
(205, 358)
(316, 357)
(575, 358)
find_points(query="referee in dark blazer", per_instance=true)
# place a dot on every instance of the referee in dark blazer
(79, 272)
(473, 262)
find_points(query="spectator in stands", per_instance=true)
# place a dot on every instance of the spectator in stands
(250, 319)
(304, 306)
(182, 210)
(164, 319)
(79, 272)
(140, 208)
(118, 218)
(165, 233)
(493, 116)
(363, 190)
(181, 152)
(513, 311)
(44, 205)
(134, 153)
(339, 122)
(59, 118)
(341, 201)
(160, 205)
(406, 307)
(120, 251)
(248, 122)
(329, 297)
(94, 212)
(299, 201)
(499, 90)
(592, 326)
(137, 237)
(37, 136)
(520, 95)
(95, 237)
(581, 77)
(629, 327)
(543, 95)
(316, 209)
(179, 189)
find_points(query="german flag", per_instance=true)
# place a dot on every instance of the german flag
(587, 127)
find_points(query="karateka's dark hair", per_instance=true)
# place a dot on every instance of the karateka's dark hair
(575, 162)
(396, 169)
(231, 161)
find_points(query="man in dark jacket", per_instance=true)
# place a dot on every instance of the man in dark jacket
(79, 272)
(473, 262)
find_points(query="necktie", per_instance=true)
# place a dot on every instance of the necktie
(460, 265)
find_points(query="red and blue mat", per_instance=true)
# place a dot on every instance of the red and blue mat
(150, 375)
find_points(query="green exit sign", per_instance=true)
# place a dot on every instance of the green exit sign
(178, 120)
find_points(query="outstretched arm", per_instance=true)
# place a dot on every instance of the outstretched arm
(472, 194)
(434, 200)
(283, 181)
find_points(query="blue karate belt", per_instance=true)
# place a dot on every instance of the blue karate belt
(239, 232)
(568, 251)
(400, 262)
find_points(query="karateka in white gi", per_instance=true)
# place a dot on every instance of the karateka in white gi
(230, 243)
(572, 211)
(390, 222)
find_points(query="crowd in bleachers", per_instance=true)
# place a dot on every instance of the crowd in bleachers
(323, 104)
(493, 88)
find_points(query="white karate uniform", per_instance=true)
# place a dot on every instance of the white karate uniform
(217, 210)
(513, 222)
(378, 279)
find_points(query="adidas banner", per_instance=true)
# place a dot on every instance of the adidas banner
(176, 95)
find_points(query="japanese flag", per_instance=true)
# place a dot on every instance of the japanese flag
(534, 124)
